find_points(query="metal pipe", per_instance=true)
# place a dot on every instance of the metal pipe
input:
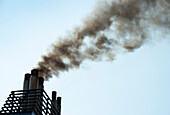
(33, 79)
(33, 85)
(54, 96)
(40, 83)
(25, 87)
(26, 81)
(59, 104)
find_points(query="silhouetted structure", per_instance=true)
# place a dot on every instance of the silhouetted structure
(32, 100)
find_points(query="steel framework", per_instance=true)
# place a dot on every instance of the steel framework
(34, 100)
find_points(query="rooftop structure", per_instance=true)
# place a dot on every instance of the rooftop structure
(32, 100)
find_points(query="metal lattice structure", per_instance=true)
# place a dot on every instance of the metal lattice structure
(34, 100)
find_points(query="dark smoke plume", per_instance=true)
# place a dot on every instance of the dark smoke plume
(114, 26)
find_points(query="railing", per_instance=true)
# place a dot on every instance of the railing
(36, 100)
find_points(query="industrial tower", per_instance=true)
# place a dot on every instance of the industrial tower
(32, 100)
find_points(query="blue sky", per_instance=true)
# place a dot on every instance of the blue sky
(134, 83)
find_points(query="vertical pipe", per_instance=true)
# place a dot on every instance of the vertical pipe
(26, 81)
(59, 104)
(33, 79)
(33, 85)
(54, 96)
(25, 95)
(40, 83)
(54, 101)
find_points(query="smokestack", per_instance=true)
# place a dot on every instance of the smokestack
(40, 83)
(33, 79)
(32, 99)
(59, 104)
(54, 95)
(25, 87)
(26, 81)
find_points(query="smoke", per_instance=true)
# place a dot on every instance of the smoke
(114, 26)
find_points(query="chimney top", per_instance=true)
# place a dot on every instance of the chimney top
(34, 72)
(27, 76)
(54, 95)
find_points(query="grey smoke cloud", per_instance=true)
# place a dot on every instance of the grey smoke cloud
(113, 26)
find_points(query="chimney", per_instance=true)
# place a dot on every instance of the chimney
(33, 79)
(40, 83)
(54, 95)
(59, 104)
(32, 100)
(26, 81)
(35, 82)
